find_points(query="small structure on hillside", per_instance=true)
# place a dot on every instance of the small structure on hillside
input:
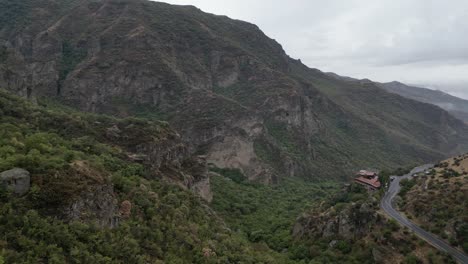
(369, 179)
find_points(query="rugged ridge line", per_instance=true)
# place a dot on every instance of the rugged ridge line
(229, 90)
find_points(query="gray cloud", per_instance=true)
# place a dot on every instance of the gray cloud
(417, 41)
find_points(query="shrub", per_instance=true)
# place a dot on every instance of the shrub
(234, 174)
(343, 246)
(412, 259)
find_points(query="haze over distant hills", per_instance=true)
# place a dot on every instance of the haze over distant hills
(458, 107)
(455, 105)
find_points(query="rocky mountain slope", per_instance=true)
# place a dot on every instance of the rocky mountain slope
(350, 228)
(425, 198)
(95, 189)
(228, 89)
(456, 106)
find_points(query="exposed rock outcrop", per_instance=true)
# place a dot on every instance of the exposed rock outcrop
(231, 92)
(167, 157)
(87, 195)
(16, 180)
(95, 204)
(125, 209)
(353, 222)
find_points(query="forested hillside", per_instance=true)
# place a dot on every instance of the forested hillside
(134, 131)
(91, 202)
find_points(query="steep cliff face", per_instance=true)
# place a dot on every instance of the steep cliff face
(231, 92)
(167, 157)
(72, 156)
(354, 222)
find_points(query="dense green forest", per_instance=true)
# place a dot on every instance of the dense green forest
(167, 224)
(68, 154)
(263, 213)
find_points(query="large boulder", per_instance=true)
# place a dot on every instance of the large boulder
(17, 180)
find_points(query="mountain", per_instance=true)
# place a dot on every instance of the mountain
(96, 189)
(456, 106)
(230, 91)
(144, 133)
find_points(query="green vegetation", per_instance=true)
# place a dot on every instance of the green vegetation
(315, 122)
(450, 173)
(3, 54)
(265, 214)
(285, 138)
(406, 185)
(17, 14)
(147, 111)
(403, 171)
(29, 237)
(68, 154)
(167, 224)
(268, 153)
(11, 12)
(426, 199)
(357, 232)
(335, 248)
(233, 174)
(412, 259)
(299, 120)
(71, 57)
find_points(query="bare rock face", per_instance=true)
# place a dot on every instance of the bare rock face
(199, 180)
(200, 177)
(231, 92)
(87, 196)
(17, 180)
(77, 63)
(353, 222)
(97, 204)
(203, 188)
(168, 157)
(125, 209)
(172, 160)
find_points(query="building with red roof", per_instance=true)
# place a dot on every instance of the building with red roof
(368, 179)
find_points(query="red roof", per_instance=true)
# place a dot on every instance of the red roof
(374, 182)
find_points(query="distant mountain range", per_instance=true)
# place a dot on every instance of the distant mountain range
(458, 107)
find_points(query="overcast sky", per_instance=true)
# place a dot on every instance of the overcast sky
(423, 42)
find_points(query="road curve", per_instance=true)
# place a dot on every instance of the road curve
(386, 205)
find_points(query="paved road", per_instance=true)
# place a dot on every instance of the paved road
(386, 205)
